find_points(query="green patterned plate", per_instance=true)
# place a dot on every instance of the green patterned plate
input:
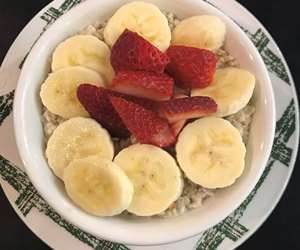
(228, 234)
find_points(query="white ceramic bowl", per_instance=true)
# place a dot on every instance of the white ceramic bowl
(139, 231)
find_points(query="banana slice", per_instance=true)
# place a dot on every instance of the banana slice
(155, 175)
(143, 18)
(75, 139)
(232, 89)
(211, 152)
(84, 50)
(204, 32)
(98, 186)
(58, 92)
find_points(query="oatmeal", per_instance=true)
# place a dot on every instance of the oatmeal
(225, 59)
(96, 30)
(50, 122)
(193, 195)
(242, 121)
(172, 20)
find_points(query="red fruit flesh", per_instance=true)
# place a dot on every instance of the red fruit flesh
(96, 102)
(164, 138)
(191, 67)
(145, 125)
(155, 86)
(176, 127)
(187, 108)
(132, 52)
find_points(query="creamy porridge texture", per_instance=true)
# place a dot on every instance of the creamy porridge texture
(193, 195)
(50, 122)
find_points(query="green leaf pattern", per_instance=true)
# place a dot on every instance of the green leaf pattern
(29, 198)
(6, 105)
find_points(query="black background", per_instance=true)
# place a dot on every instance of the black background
(281, 18)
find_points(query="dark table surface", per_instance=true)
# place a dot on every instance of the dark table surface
(282, 229)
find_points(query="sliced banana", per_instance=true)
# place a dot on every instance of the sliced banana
(59, 91)
(204, 32)
(211, 152)
(232, 89)
(98, 186)
(75, 139)
(84, 50)
(143, 18)
(155, 175)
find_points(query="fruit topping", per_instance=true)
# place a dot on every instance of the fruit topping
(132, 52)
(191, 67)
(187, 108)
(143, 123)
(155, 86)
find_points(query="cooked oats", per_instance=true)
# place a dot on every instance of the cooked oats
(193, 195)
(50, 122)
(242, 121)
(225, 59)
(172, 20)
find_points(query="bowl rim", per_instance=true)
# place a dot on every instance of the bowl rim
(25, 153)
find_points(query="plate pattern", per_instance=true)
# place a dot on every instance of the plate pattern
(233, 228)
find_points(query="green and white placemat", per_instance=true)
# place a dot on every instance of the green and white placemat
(228, 234)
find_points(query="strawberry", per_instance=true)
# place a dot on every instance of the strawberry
(132, 52)
(187, 108)
(191, 67)
(96, 101)
(144, 102)
(155, 86)
(145, 125)
(176, 127)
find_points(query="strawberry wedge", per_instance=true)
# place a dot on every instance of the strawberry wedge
(191, 67)
(187, 108)
(155, 86)
(146, 126)
(132, 52)
(96, 102)
(176, 127)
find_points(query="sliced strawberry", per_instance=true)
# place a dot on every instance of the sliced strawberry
(155, 86)
(191, 67)
(187, 108)
(176, 127)
(96, 102)
(144, 102)
(164, 138)
(145, 125)
(132, 52)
